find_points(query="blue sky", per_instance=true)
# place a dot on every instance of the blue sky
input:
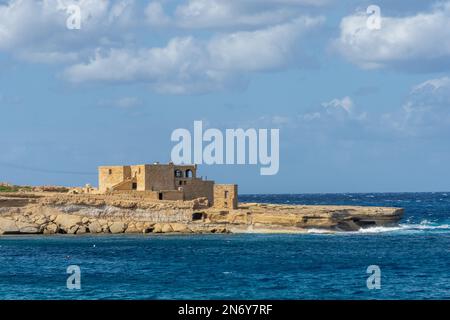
(358, 110)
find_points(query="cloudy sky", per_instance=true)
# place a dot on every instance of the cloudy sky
(359, 109)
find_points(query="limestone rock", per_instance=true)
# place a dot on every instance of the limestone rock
(132, 229)
(41, 221)
(95, 227)
(73, 229)
(117, 227)
(81, 230)
(166, 227)
(68, 222)
(8, 226)
(51, 228)
(158, 228)
(26, 228)
(180, 227)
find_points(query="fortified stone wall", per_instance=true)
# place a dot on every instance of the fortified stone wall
(138, 173)
(226, 196)
(108, 176)
(159, 177)
(197, 188)
(172, 195)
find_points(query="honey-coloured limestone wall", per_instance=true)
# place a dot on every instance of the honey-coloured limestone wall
(226, 196)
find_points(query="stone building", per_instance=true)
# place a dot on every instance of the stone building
(166, 182)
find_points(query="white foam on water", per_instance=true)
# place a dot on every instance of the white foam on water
(423, 226)
(378, 229)
(321, 231)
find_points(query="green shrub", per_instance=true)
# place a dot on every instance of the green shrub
(9, 189)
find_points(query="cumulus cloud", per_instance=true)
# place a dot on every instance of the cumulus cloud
(417, 42)
(37, 30)
(426, 111)
(189, 65)
(228, 14)
(345, 104)
(332, 116)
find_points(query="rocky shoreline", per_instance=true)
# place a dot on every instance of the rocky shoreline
(58, 213)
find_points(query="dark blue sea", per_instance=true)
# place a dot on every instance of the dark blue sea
(414, 259)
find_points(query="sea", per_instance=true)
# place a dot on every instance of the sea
(408, 261)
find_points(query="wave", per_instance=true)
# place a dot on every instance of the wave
(420, 227)
(424, 226)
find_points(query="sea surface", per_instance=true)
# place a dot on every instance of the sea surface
(414, 259)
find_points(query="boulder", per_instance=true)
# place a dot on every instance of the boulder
(180, 227)
(132, 229)
(73, 229)
(8, 226)
(95, 227)
(28, 228)
(51, 228)
(157, 228)
(41, 221)
(82, 230)
(166, 227)
(117, 227)
(68, 222)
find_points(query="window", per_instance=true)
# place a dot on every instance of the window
(160, 196)
(197, 216)
(178, 173)
(225, 194)
(188, 173)
(109, 171)
(134, 186)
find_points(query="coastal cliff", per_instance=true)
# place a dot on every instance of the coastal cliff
(59, 213)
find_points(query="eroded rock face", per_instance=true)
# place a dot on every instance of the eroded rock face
(95, 227)
(8, 226)
(96, 214)
(117, 227)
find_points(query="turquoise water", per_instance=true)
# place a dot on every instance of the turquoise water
(413, 258)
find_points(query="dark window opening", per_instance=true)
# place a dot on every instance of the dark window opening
(188, 173)
(134, 185)
(178, 174)
(160, 196)
(181, 182)
(197, 216)
(110, 171)
(226, 194)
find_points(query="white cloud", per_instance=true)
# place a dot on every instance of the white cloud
(426, 112)
(155, 14)
(189, 65)
(418, 42)
(433, 85)
(345, 104)
(229, 14)
(37, 31)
